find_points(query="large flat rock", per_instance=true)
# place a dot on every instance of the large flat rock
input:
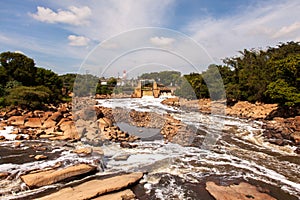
(242, 191)
(95, 188)
(52, 176)
(125, 194)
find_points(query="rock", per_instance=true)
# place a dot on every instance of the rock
(127, 145)
(95, 188)
(57, 116)
(17, 144)
(19, 137)
(296, 137)
(16, 120)
(121, 157)
(122, 195)
(171, 101)
(49, 123)
(33, 123)
(4, 175)
(85, 151)
(242, 191)
(53, 176)
(44, 136)
(40, 157)
(2, 137)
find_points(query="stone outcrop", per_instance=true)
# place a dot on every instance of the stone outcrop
(96, 188)
(249, 110)
(242, 191)
(52, 176)
(282, 131)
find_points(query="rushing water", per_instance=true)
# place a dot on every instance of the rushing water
(237, 152)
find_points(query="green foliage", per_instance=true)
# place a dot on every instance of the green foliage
(29, 97)
(166, 78)
(18, 67)
(280, 92)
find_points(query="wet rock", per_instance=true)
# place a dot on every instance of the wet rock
(171, 101)
(128, 145)
(53, 176)
(95, 188)
(17, 144)
(121, 157)
(242, 191)
(122, 195)
(40, 157)
(19, 137)
(4, 175)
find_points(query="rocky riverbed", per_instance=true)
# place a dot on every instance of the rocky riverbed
(140, 148)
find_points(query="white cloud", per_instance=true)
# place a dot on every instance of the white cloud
(78, 40)
(161, 41)
(74, 15)
(259, 26)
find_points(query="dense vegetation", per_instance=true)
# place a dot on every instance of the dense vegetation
(24, 84)
(270, 76)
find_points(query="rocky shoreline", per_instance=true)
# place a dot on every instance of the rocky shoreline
(277, 130)
(97, 124)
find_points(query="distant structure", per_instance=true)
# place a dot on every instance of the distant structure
(149, 87)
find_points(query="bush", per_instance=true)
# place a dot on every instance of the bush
(29, 97)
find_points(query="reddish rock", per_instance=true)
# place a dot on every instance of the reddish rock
(95, 188)
(242, 191)
(40, 157)
(4, 175)
(49, 123)
(52, 176)
(85, 151)
(33, 123)
(57, 116)
(16, 120)
(2, 137)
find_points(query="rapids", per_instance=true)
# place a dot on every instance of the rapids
(223, 148)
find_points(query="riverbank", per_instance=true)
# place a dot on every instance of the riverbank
(177, 164)
(277, 129)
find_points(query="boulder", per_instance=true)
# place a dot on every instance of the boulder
(95, 188)
(16, 120)
(33, 123)
(2, 137)
(53, 176)
(242, 191)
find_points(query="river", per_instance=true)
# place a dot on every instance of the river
(223, 149)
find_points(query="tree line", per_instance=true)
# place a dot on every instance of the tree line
(269, 76)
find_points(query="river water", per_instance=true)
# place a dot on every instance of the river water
(223, 149)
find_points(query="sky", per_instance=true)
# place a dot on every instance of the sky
(71, 35)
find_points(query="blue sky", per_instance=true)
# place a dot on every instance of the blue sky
(58, 35)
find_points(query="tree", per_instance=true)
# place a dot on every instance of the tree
(18, 67)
